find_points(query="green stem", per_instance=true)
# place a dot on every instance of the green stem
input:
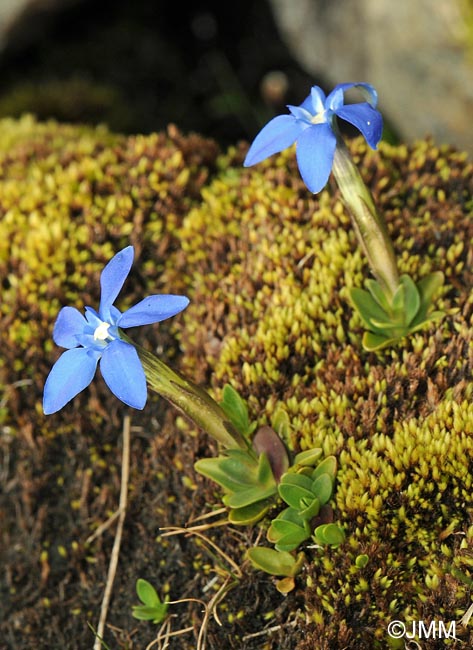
(369, 225)
(189, 398)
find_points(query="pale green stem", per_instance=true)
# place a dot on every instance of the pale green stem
(369, 225)
(189, 398)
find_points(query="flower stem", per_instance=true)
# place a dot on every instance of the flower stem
(369, 225)
(189, 398)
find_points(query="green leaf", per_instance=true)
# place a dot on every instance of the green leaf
(241, 465)
(295, 487)
(388, 321)
(242, 498)
(327, 466)
(212, 468)
(309, 508)
(153, 609)
(248, 515)
(264, 475)
(373, 342)
(361, 561)
(329, 534)
(411, 299)
(378, 294)
(147, 593)
(236, 410)
(245, 478)
(368, 309)
(427, 287)
(308, 458)
(288, 530)
(276, 563)
(322, 487)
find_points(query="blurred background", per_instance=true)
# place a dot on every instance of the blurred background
(224, 68)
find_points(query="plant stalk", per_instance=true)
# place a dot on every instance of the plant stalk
(189, 398)
(369, 225)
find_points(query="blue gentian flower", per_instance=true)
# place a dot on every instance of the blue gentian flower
(95, 337)
(312, 126)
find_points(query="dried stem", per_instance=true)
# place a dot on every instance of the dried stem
(112, 569)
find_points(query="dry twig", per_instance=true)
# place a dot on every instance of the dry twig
(118, 535)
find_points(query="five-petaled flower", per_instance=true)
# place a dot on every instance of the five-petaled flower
(312, 126)
(96, 336)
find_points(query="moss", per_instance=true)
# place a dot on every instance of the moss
(267, 267)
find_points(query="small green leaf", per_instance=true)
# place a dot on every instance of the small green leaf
(245, 478)
(293, 488)
(212, 468)
(285, 585)
(411, 299)
(276, 563)
(241, 465)
(361, 561)
(388, 321)
(329, 534)
(248, 515)
(146, 613)
(367, 307)
(288, 530)
(322, 487)
(309, 508)
(372, 342)
(245, 497)
(308, 458)
(236, 410)
(378, 294)
(398, 299)
(327, 466)
(152, 609)
(147, 593)
(427, 287)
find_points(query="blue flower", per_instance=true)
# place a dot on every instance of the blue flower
(312, 126)
(96, 336)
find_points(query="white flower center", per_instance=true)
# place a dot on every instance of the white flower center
(101, 332)
(319, 118)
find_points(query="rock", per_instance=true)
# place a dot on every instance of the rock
(419, 59)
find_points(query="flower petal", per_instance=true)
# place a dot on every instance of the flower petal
(69, 325)
(367, 90)
(112, 279)
(153, 309)
(72, 372)
(315, 151)
(317, 100)
(278, 134)
(301, 113)
(124, 374)
(366, 119)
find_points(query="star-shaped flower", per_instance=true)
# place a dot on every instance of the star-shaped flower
(95, 337)
(312, 126)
